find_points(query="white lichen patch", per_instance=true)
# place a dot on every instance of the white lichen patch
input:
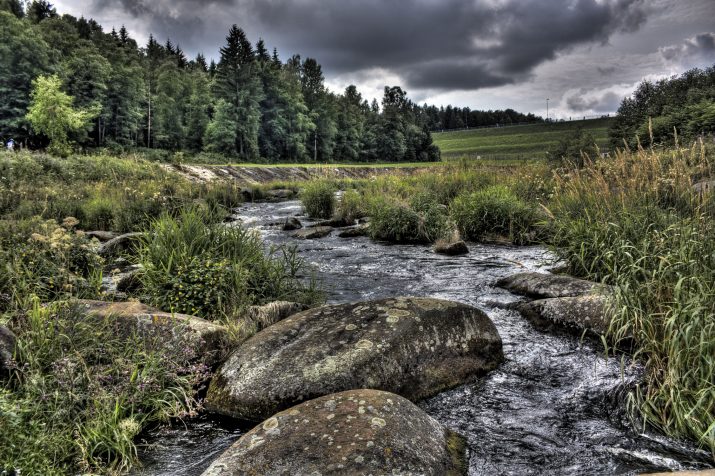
(364, 344)
(378, 422)
(270, 424)
(350, 327)
(256, 441)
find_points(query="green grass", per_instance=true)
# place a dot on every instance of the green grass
(517, 142)
(363, 165)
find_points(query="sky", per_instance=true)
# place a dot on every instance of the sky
(584, 56)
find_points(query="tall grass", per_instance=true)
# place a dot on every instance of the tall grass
(635, 221)
(318, 197)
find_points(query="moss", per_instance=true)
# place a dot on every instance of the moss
(457, 450)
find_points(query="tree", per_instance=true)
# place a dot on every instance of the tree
(51, 113)
(12, 6)
(197, 111)
(40, 10)
(573, 147)
(221, 131)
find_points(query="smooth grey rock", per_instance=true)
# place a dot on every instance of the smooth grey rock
(589, 312)
(354, 432)
(542, 285)
(451, 249)
(120, 244)
(415, 347)
(205, 340)
(291, 224)
(313, 233)
(102, 236)
(8, 342)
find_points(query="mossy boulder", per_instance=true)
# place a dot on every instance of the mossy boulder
(414, 347)
(578, 313)
(352, 432)
(205, 341)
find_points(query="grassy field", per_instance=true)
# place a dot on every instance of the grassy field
(517, 142)
(370, 165)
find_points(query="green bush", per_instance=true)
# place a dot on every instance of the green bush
(195, 266)
(351, 207)
(394, 221)
(493, 211)
(318, 199)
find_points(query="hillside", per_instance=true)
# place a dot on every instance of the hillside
(515, 142)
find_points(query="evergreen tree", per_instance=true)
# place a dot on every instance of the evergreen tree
(198, 111)
(221, 131)
(40, 10)
(13, 6)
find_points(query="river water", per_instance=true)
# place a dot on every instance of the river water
(554, 407)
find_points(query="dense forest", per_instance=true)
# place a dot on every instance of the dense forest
(250, 105)
(682, 106)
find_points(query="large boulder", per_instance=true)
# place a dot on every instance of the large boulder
(543, 285)
(205, 340)
(8, 341)
(415, 347)
(313, 233)
(578, 313)
(353, 432)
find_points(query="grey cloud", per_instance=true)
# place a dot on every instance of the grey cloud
(432, 44)
(607, 102)
(699, 46)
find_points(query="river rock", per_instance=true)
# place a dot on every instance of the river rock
(415, 347)
(542, 285)
(120, 244)
(279, 194)
(333, 222)
(291, 224)
(8, 341)
(207, 341)
(354, 432)
(589, 312)
(102, 236)
(313, 233)
(451, 249)
(269, 314)
(354, 232)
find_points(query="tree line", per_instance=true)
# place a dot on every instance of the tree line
(681, 106)
(446, 118)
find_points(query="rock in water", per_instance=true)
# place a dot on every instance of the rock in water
(353, 432)
(207, 341)
(100, 235)
(354, 232)
(414, 347)
(451, 249)
(8, 341)
(291, 224)
(120, 244)
(542, 285)
(313, 233)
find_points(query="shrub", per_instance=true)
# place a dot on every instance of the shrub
(318, 199)
(195, 266)
(573, 147)
(493, 211)
(351, 207)
(394, 221)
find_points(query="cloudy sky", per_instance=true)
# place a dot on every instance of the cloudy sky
(585, 55)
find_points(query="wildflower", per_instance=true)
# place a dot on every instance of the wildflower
(70, 222)
(130, 427)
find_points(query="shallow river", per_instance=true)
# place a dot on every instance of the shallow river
(552, 407)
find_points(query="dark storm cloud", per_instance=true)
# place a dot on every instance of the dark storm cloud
(607, 102)
(432, 44)
(699, 46)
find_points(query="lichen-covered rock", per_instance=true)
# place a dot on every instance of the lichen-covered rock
(291, 224)
(268, 314)
(589, 312)
(205, 340)
(451, 249)
(313, 233)
(353, 432)
(120, 244)
(8, 341)
(415, 347)
(543, 285)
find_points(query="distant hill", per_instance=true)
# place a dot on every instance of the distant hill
(516, 142)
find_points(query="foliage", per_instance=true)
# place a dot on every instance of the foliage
(193, 265)
(573, 147)
(82, 392)
(398, 222)
(51, 113)
(351, 207)
(494, 211)
(318, 199)
(635, 221)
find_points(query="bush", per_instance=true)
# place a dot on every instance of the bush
(493, 211)
(318, 199)
(394, 221)
(351, 207)
(195, 266)
(573, 147)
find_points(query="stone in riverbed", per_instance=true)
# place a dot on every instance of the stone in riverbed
(354, 232)
(451, 249)
(589, 312)
(352, 432)
(100, 235)
(415, 347)
(313, 233)
(207, 341)
(291, 224)
(121, 244)
(544, 285)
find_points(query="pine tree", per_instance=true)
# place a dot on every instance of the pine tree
(220, 134)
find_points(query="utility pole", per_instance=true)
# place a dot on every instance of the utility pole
(547, 109)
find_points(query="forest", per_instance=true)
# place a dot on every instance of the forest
(249, 106)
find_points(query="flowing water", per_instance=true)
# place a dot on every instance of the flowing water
(554, 407)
